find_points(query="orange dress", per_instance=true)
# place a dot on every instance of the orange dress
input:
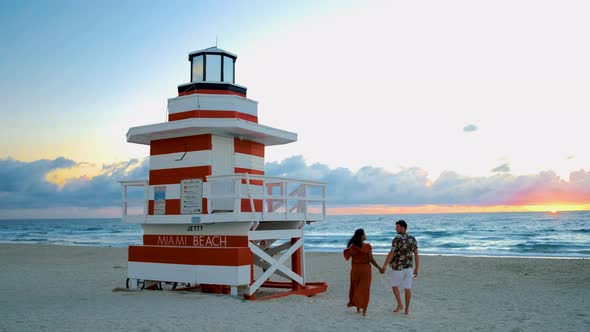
(360, 275)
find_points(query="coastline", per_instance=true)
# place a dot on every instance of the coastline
(565, 235)
(72, 288)
(314, 251)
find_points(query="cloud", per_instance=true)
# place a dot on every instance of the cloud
(372, 185)
(502, 168)
(17, 176)
(411, 186)
(470, 128)
(23, 185)
(549, 187)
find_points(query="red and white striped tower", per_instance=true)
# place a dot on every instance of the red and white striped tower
(211, 216)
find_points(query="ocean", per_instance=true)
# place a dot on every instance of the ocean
(534, 234)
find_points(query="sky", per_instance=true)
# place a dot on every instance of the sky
(401, 106)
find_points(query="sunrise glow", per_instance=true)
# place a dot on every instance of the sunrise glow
(431, 209)
(81, 171)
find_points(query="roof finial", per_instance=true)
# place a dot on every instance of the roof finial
(215, 40)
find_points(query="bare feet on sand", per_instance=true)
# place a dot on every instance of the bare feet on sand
(398, 309)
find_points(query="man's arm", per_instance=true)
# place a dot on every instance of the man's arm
(387, 260)
(417, 257)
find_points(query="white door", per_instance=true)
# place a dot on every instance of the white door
(222, 163)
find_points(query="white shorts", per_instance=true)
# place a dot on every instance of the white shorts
(401, 278)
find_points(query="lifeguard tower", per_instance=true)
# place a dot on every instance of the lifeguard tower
(210, 216)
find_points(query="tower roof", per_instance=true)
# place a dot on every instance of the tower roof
(211, 50)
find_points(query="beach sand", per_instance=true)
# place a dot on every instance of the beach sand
(59, 288)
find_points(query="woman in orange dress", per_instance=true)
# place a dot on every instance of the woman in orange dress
(360, 272)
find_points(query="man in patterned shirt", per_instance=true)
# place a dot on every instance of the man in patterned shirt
(403, 248)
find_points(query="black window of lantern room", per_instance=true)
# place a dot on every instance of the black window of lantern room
(219, 66)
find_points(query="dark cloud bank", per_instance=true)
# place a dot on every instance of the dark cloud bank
(23, 185)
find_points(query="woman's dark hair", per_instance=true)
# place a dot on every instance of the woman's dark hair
(357, 238)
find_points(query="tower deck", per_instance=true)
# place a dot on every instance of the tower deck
(282, 200)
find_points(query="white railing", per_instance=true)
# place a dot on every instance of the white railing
(281, 198)
(137, 217)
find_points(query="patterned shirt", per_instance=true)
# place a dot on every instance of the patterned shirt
(403, 251)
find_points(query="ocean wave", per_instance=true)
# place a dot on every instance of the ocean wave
(31, 240)
(435, 233)
(490, 238)
(328, 234)
(86, 242)
(454, 245)
(540, 247)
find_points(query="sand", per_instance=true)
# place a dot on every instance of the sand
(58, 288)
